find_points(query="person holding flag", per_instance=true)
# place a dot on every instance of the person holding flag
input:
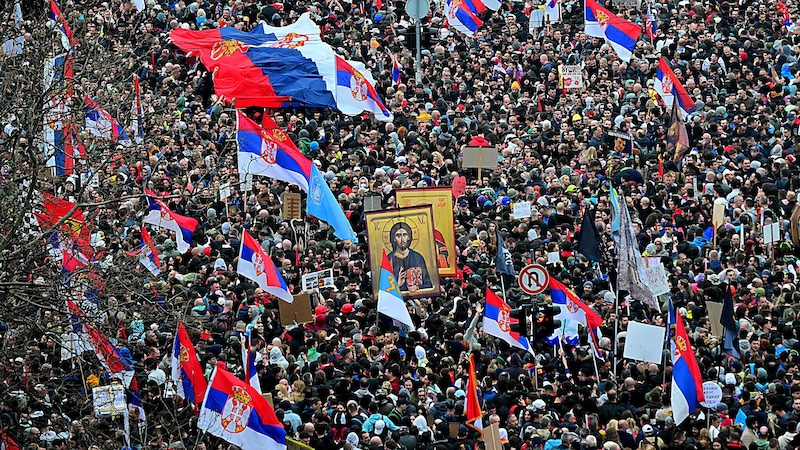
(687, 380)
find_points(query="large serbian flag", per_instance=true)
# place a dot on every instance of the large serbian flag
(277, 67)
(234, 411)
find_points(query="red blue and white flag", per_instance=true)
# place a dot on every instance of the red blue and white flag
(249, 363)
(397, 71)
(497, 321)
(101, 123)
(573, 312)
(650, 24)
(187, 373)
(276, 67)
(355, 93)
(687, 380)
(95, 339)
(68, 39)
(270, 152)
(137, 112)
(148, 254)
(234, 411)
(619, 33)
(461, 15)
(786, 18)
(670, 89)
(159, 215)
(61, 147)
(255, 264)
(390, 301)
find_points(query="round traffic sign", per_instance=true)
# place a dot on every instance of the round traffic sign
(417, 9)
(534, 279)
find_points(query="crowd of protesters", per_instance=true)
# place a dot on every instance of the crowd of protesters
(349, 380)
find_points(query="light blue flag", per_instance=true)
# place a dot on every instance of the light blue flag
(324, 206)
(741, 417)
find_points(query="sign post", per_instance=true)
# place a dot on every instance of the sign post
(533, 279)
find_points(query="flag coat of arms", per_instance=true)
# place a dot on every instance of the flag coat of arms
(687, 380)
(573, 312)
(186, 370)
(269, 152)
(670, 89)
(255, 264)
(497, 322)
(461, 17)
(276, 67)
(619, 33)
(161, 216)
(237, 413)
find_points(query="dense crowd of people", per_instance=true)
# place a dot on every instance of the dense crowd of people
(354, 381)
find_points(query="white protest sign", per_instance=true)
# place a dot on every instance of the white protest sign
(318, 280)
(571, 76)
(772, 233)
(657, 279)
(14, 47)
(713, 394)
(522, 210)
(644, 342)
(224, 191)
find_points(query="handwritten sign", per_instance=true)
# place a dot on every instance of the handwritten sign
(712, 393)
(657, 279)
(459, 186)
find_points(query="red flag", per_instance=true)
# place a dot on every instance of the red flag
(660, 167)
(379, 4)
(473, 406)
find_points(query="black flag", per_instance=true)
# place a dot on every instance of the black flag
(589, 238)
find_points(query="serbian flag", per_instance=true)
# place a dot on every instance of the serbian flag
(397, 71)
(161, 216)
(249, 363)
(106, 352)
(137, 112)
(460, 16)
(101, 123)
(390, 300)
(670, 89)
(786, 18)
(148, 255)
(473, 406)
(255, 264)
(187, 372)
(68, 39)
(619, 33)
(135, 399)
(237, 413)
(687, 380)
(497, 322)
(573, 312)
(355, 93)
(270, 152)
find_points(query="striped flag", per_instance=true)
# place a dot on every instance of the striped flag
(473, 406)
